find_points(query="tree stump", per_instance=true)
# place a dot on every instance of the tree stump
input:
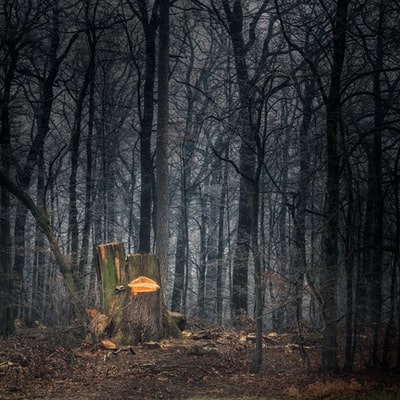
(111, 272)
(135, 318)
(148, 265)
(141, 316)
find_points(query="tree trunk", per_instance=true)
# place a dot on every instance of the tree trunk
(42, 220)
(202, 259)
(299, 217)
(73, 226)
(234, 16)
(212, 242)
(6, 310)
(221, 243)
(258, 277)
(35, 307)
(150, 24)
(330, 272)
(389, 341)
(148, 265)
(6, 302)
(137, 315)
(134, 318)
(83, 268)
(111, 272)
(162, 192)
(372, 256)
(180, 260)
(349, 267)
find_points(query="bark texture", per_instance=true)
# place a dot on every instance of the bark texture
(138, 318)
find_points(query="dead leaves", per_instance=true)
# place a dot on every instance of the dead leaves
(4, 366)
(211, 362)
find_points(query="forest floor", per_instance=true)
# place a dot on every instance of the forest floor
(203, 364)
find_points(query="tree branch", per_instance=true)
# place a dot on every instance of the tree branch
(42, 220)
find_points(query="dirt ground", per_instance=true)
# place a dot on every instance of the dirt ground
(51, 364)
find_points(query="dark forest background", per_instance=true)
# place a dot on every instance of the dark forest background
(252, 145)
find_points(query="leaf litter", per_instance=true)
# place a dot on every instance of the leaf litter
(211, 363)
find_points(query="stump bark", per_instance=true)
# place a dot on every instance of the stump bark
(140, 320)
(135, 318)
(111, 272)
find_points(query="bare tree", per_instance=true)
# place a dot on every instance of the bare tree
(149, 19)
(162, 189)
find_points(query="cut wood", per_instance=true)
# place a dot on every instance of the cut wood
(99, 324)
(111, 269)
(108, 344)
(132, 296)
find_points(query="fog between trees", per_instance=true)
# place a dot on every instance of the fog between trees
(279, 179)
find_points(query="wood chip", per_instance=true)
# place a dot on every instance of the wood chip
(108, 344)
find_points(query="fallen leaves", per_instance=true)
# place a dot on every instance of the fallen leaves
(212, 362)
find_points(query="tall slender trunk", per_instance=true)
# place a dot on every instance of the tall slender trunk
(349, 268)
(7, 309)
(212, 241)
(75, 145)
(162, 184)
(221, 241)
(330, 271)
(258, 277)
(394, 301)
(146, 121)
(373, 235)
(202, 261)
(84, 254)
(180, 260)
(299, 218)
(38, 300)
(247, 165)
